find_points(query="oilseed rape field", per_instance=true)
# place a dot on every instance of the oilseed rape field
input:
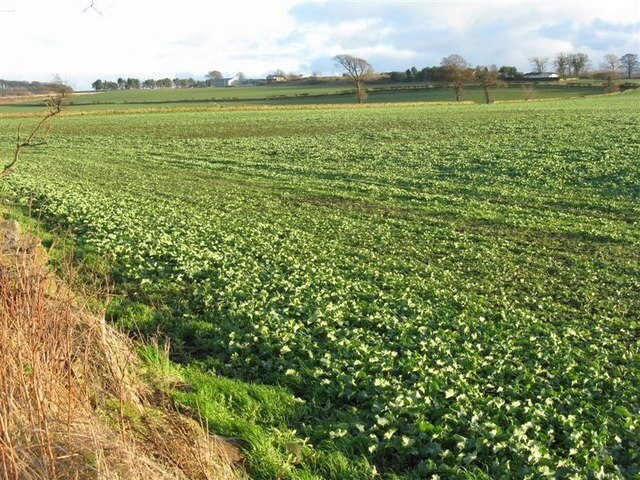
(435, 291)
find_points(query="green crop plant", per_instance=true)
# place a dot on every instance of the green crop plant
(440, 290)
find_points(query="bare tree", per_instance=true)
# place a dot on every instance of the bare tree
(214, 75)
(630, 64)
(539, 64)
(241, 77)
(456, 70)
(40, 133)
(579, 63)
(488, 78)
(610, 63)
(561, 64)
(528, 90)
(610, 72)
(358, 69)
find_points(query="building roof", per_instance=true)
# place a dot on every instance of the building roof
(542, 75)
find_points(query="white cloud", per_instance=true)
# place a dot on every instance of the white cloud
(145, 38)
(504, 32)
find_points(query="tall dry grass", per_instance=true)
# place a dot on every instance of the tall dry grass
(72, 405)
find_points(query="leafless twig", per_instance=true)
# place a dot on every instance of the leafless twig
(40, 133)
(92, 6)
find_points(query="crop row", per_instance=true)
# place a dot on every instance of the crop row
(448, 290)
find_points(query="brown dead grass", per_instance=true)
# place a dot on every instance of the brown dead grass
(72, 405)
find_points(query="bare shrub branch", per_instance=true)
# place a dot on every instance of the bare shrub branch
(92, 6)
(40, 132)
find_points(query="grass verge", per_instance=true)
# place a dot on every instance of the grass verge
(129, 399)
(73, 403)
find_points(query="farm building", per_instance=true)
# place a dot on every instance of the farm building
(223, 82)
(275, 79)
(541, 76)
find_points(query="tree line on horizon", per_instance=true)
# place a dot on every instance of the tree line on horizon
(564, 64)
(136, 84)
(11, 87)
(457, 72)
(453, 67)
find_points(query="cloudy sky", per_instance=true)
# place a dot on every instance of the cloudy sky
(160, 38)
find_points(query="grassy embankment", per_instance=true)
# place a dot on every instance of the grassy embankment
(75, 399)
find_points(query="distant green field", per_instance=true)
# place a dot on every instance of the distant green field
(472, 94)
(207, 94)
(292, 95)
(427, 290)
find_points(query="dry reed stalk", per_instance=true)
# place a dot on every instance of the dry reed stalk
(62, 368)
